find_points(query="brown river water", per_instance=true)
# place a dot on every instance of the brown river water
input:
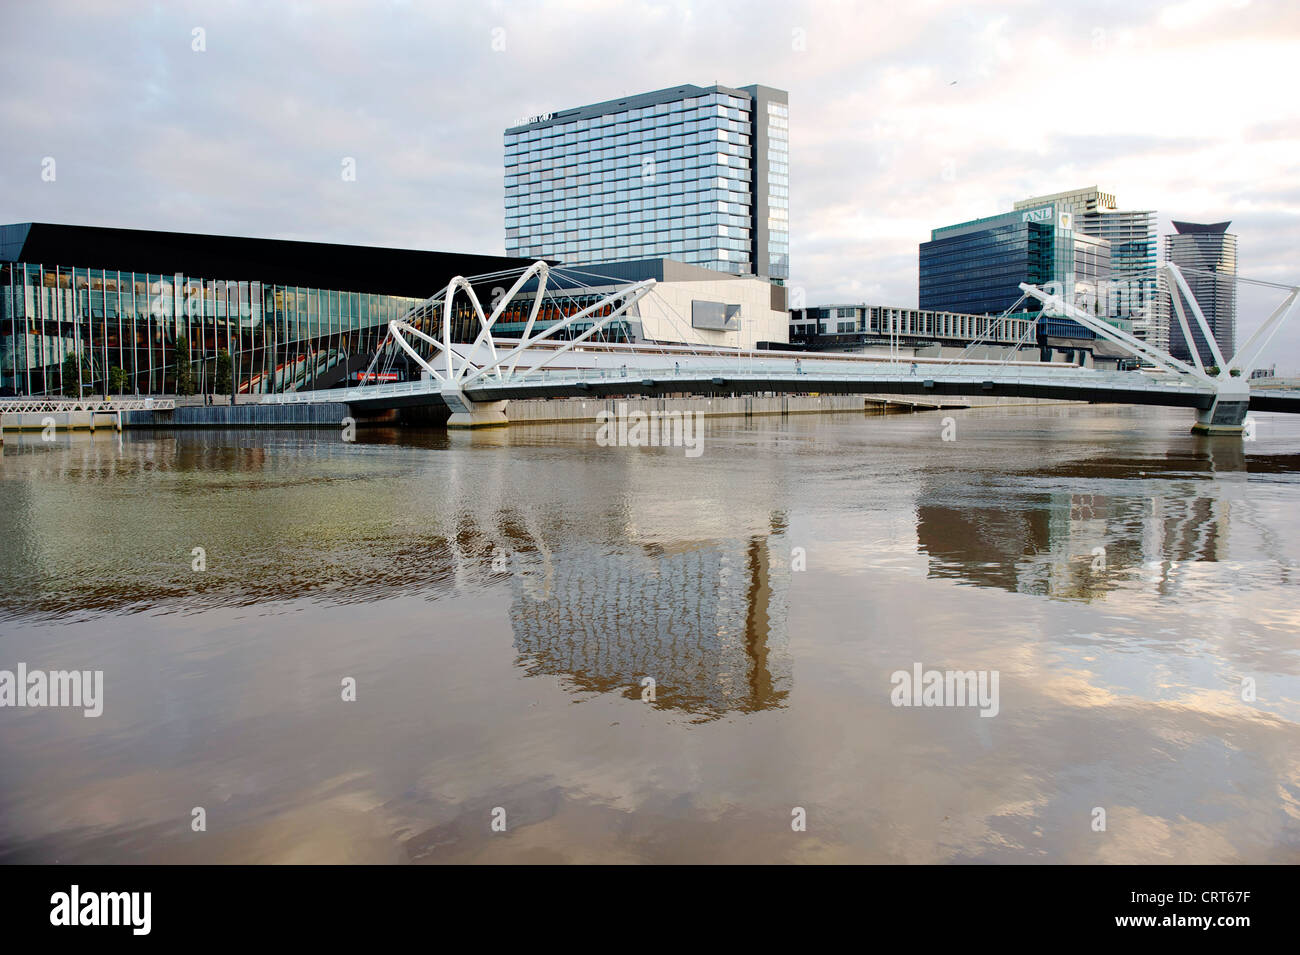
(494, 601)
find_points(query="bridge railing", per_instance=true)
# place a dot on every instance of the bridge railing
(62, 405)
(789, 375)
(344, 395)
(824, 372)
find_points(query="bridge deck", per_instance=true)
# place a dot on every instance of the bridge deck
(606, 372)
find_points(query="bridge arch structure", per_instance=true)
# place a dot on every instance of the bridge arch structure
(573, 357)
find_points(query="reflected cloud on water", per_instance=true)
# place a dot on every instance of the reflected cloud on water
(479, 585)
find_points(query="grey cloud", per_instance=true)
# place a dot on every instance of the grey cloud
(248, 136)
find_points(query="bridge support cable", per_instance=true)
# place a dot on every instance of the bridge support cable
(988, 330)
(366, 376)
(675, 319)
(1030, 328)
(1195, 306)
(1117, 335)
(682, 328)
(1172, 272)
(1248, 355)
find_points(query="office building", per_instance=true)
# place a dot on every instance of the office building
(1207, 256)
(908, 333)
(695, 174)
(976, 267)
(1130, 294)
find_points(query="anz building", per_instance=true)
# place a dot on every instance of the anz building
(977, 267)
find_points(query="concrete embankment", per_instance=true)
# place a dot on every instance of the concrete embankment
(550, 411)
(251, 414)
(63, 420)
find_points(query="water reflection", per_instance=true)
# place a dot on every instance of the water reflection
(479, 586)
(596, 599)
(704, 621)
(1036, 535)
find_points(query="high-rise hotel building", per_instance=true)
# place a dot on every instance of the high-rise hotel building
(696, 174)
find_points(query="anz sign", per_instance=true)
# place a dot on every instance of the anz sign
(1064, 221)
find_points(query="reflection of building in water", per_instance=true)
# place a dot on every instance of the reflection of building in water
(706, 621)
(1071, 546)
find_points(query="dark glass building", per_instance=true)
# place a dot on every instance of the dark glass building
(976, 267)
(135, 307)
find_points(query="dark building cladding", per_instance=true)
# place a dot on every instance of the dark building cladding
(156, 312)
(979, 272)
(324, 265)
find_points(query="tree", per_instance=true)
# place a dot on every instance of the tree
(184, 370)
(224, 383)
(117, 379)
(73, 375)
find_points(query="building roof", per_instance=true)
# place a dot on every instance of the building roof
(1100, 196)
(1184, 228)
(1046, 211)
(325, 265)
(633, 101)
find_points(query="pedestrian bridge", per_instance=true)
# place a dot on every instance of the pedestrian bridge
(476, 380)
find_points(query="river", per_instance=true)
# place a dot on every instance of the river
(434, 647)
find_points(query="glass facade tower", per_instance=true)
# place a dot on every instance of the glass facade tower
(976, 267)
(1131, 294)
(696, 174)
(1207, 254)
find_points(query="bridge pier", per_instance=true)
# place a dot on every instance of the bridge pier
(1227, 415)
(474, 414)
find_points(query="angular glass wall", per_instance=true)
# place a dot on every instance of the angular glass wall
(138, 333)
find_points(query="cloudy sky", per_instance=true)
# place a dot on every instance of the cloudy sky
(904, 115)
